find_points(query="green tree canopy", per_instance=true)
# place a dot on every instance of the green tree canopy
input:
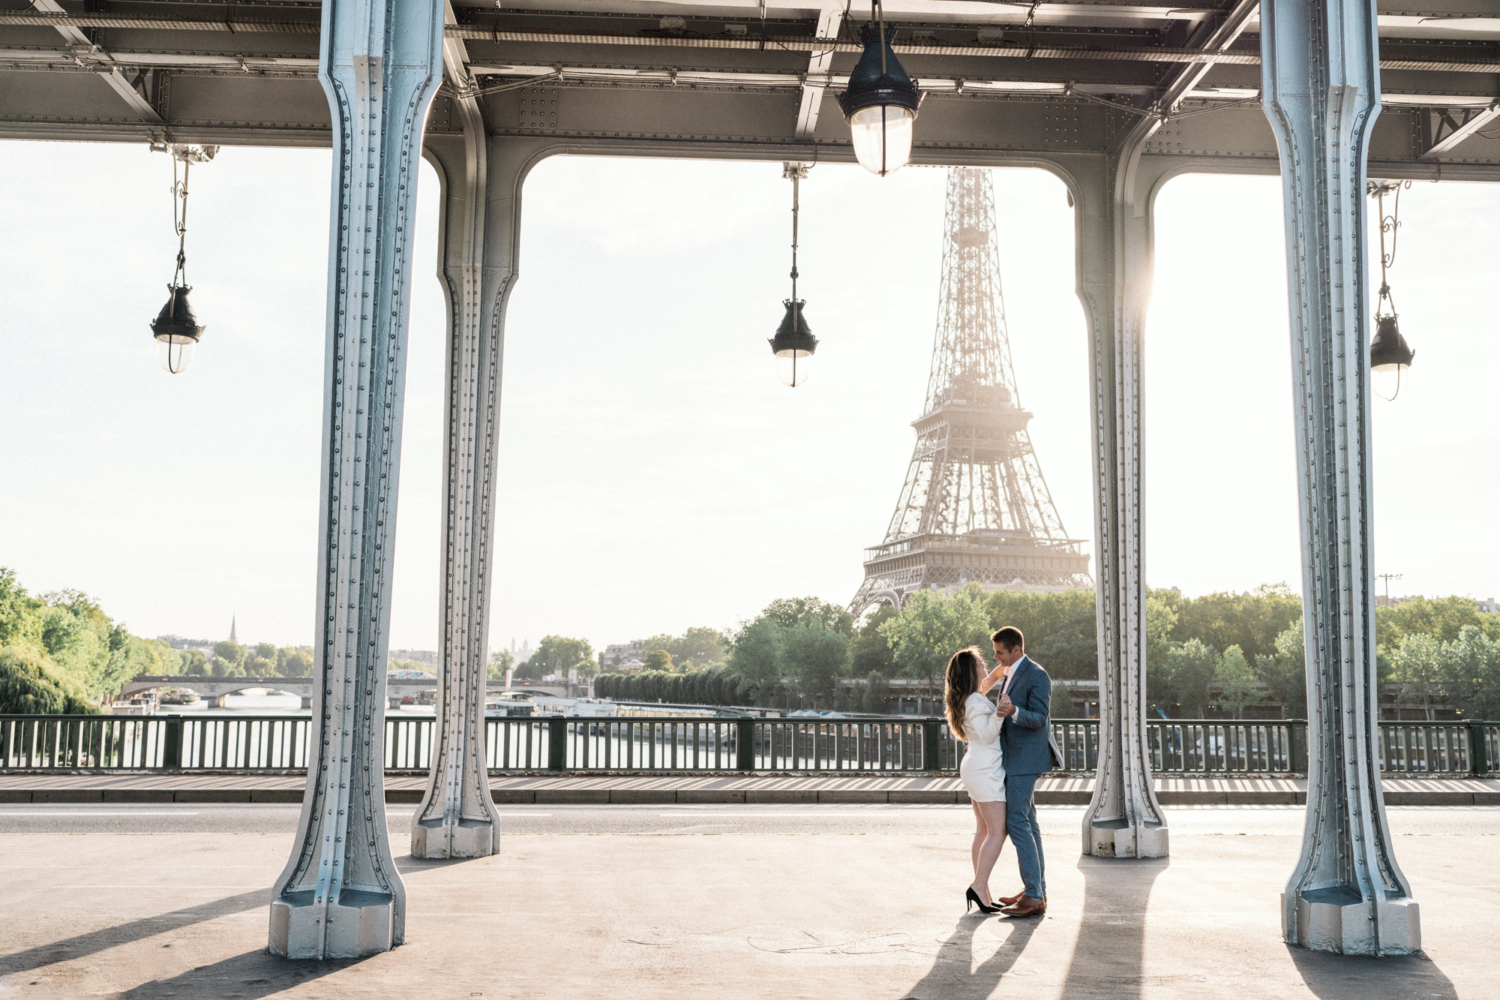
(31, 684)
(1443, 618)
(658, 660)
(1239, 685)
(816, 657)
(558, 654)
(931, 627)
(500, 662)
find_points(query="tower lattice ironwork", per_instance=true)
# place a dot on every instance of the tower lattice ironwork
(975, 506)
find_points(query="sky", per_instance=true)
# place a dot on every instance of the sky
(654, 473)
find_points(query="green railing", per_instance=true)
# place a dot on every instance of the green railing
(706, 745)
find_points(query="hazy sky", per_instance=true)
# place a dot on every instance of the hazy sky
(654, 473)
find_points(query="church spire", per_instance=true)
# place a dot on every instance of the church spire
(232, 637)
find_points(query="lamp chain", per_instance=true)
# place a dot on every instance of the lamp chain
(179, 218)
(1388, 224)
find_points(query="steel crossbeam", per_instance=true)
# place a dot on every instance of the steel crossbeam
(340, 895)
(1322, 94)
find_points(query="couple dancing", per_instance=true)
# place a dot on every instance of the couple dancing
(1009, 746)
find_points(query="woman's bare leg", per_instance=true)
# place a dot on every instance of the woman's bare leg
(980, 832)
(993, 817)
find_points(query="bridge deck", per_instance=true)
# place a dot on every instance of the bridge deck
(637, 789)
(834, 905)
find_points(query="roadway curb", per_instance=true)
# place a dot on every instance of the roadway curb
(699, 796)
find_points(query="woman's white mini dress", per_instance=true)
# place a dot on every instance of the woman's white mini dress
(982, 772)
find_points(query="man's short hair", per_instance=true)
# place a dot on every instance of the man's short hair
(1010, 637)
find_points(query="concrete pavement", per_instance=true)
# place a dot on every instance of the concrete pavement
(828, 907)
(684, 789)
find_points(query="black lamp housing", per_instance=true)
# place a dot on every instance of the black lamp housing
(794, 334)
(1389, 349)
(176, 324)
(870, 85)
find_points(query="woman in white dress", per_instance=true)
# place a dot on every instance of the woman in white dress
(972, 718)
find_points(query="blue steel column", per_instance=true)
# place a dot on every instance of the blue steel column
(1114, 284)
(1321, 89)
(457, 818)
(340, 894)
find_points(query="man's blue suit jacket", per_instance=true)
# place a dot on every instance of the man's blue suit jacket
(1026, 737)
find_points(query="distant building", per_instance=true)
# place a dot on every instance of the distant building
(523, 652)
(1489, 607)
(617, 655)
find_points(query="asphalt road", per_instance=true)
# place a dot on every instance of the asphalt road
(708, 820)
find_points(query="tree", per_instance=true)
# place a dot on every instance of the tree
(791, 611)
(876, 690)
(1417, 665)
(869, 652)
(816, 657)
(1061, 628)
(500, 662)
(1443, 618)
(931, 627)
(1251, 621)
(658, 660)
(695, 649)
(1285, 672)
(755, 659)
(1471, 671)
(557, 654)
(1238, 683)
(31, 685)
(1188, 670)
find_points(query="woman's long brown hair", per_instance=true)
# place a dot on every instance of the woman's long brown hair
(959, 682)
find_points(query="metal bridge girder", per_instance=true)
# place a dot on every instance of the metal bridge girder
(1321, 81)
(340, 895)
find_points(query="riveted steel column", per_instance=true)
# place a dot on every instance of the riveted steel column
(1321, 89)
(457, 818)
(1114, 284)
(340, 895)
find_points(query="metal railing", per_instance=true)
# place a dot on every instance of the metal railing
(706, 745)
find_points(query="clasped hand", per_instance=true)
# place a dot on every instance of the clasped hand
(1006, 706)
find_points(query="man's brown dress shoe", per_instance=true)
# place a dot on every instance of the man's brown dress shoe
(1012, 900)
(1027, 907)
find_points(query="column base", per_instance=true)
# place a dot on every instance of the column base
(359, 924)
(1339, 921)
(468, 839)
(1118, 839)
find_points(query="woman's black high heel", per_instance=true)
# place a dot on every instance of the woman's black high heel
(971, 900)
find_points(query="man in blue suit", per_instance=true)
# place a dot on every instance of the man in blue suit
(1029, 751)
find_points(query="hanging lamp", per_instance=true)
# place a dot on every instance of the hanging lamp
(881, 102)
(1390, 355)
(175, 329)
(794, 343)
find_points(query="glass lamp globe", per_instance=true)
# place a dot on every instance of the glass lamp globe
(175, 354)
(792, 366)
(882, 137)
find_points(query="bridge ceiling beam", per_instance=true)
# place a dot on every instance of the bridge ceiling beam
(132, 89)
(340, 895)
(1322, 93)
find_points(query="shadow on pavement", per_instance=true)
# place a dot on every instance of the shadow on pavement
(1360, 977)
(93, 942)
(249, 976)
(1108, 955)
(954, 976)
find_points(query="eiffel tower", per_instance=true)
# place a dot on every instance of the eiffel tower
(974, 506)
